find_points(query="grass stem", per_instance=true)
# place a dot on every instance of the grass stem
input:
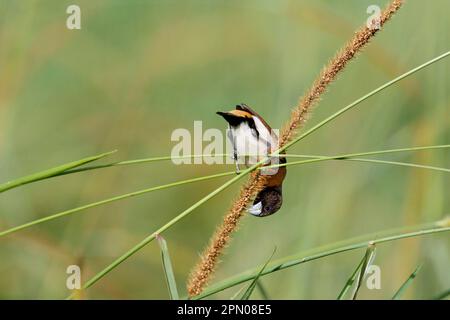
(328, 250)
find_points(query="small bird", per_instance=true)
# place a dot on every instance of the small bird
(249, 132)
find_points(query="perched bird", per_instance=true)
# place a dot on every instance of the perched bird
(253, 139)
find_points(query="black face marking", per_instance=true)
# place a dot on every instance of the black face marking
(235, 121)
(232, 119)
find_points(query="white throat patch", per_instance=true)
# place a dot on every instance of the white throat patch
(256, 209)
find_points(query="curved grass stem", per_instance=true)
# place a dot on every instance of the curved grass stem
(38, 176)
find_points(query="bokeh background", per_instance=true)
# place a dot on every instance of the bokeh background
(138, 69)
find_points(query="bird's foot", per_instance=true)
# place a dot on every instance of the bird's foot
(238, 170)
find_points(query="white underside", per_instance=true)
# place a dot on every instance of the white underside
(246, 142)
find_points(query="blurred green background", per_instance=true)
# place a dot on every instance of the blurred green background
(138, 69)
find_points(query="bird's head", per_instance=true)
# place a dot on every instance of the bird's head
(267, 202)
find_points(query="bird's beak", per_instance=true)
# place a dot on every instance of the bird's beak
(256, 209)
(226, 115)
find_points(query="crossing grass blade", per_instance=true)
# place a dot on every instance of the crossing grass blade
(168, 270)
(407, 283)
(56, 172)
(351, 280)
(109, 200)
(252, 285)
(191, 156)
(367, 261)
(50, 172)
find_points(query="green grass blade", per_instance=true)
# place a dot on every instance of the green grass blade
(354, 157)
(237, 294)
(367, 261)
(109, 200)
(49, 172)
(151, 237)
(378, 152)
(347, 157)
(262, 290)
(404, 164)
(351, 280)
(143, 160)
(252, 285)
(165, 158)
(443, 295)
(322, 158)
(328, 250)
(341, 157)
(168, 270)
(406, 284)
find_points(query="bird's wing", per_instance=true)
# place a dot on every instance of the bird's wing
(245, 107)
